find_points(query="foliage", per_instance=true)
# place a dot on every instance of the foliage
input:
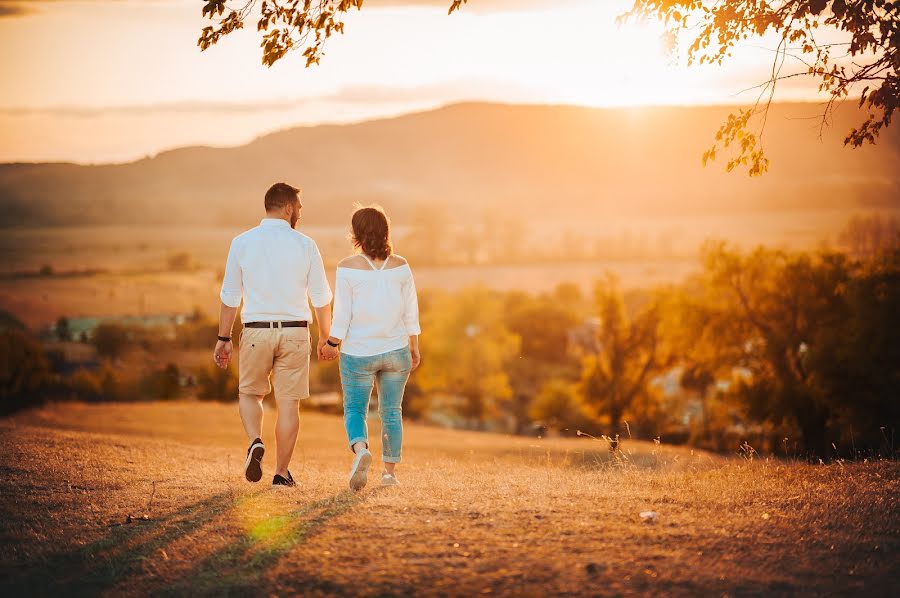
(816, 335)
(217, 384)
(867, 237)
(161, 384)
(284, 25)
(866, 56)
(104, 385)
(558, 405)
(10, 322)
(24, 370)
(628, 354)
(465, 351)
(861, 355)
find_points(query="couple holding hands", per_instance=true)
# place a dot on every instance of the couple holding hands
(374, 331)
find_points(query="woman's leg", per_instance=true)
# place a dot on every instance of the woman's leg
(357, 379)
(391, 382)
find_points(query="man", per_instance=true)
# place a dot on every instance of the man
(274, 269)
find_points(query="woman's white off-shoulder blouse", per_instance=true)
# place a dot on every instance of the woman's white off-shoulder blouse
(375, 311)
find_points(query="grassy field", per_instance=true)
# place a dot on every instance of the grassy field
(149, 499)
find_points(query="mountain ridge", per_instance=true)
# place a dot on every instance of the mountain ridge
(470, 156)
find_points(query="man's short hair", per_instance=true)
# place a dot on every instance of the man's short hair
(280, 195)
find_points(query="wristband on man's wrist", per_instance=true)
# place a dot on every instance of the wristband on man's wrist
(226, 339)
(331, 344)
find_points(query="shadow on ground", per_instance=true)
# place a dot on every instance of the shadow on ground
(234, 569)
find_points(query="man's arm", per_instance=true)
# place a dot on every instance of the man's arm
(232, 291)
(323, 317)
(224, 349)
(320, 294)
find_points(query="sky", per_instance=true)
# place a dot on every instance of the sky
(94, 81)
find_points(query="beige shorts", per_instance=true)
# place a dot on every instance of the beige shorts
(277, 354)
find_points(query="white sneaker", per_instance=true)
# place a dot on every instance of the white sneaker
(388, 479)
(360, 469)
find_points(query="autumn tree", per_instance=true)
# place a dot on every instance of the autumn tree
(867, 237)
(542, 323)
(843, 46)
(628, 354)
(818, 336)
(466, 350)
(703, 338)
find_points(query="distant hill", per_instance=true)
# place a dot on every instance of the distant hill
(539, 161)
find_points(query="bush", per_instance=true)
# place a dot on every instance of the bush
(217, 384)
(559, 406)
(99, 386)
(24, 371)
(110, 340)
(161, 384)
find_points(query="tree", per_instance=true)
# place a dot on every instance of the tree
(629, 352)
(866, 56)
(786, 306)
(63, 330)
(860, 355)
(465, 351)
(702, 336)
(868, 237)
(284, 25)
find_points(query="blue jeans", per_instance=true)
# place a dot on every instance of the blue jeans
(388, 372)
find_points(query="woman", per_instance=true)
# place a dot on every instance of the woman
(376, 327)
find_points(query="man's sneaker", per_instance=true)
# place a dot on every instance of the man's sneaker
(253, 465)
(288, 481)
(388, 479)
(360, 469)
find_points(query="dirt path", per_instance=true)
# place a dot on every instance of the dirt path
(477, 513)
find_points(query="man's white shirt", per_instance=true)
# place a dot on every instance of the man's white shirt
(274, 268)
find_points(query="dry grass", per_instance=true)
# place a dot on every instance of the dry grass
(477, 513)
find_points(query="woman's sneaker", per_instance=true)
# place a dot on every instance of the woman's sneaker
(359, 470)
(389, 479)
(253, 464)
(280, 480)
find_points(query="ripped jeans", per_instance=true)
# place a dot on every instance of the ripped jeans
(388, 372)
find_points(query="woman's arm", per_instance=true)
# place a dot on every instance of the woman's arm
(411, 319)
(343, 307)
(414, 351)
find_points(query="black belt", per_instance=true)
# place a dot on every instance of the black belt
(276, 324)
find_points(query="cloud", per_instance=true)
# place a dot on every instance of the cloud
(372, 95)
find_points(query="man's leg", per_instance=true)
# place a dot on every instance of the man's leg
(251, 410)
(255, 365)
(287, 427)
(290, 377)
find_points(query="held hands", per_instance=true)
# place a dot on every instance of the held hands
(325, 351)
(222, 353)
